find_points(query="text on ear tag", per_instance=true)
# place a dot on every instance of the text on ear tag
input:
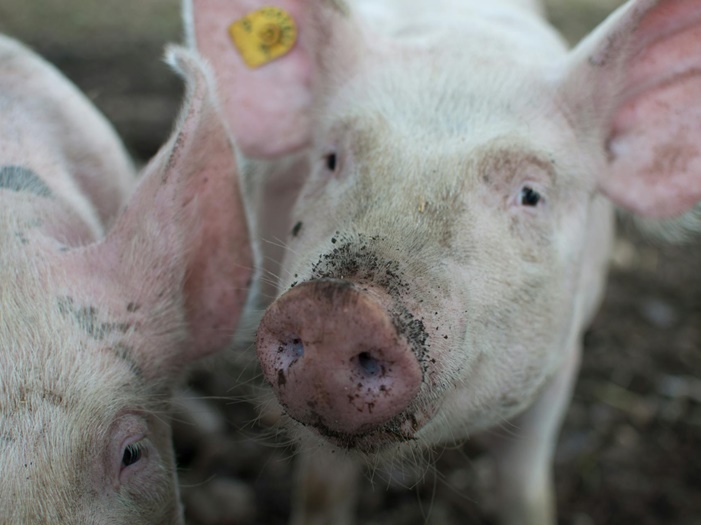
(263, 35)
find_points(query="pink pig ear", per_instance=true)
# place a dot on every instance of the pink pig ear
(638, 76)
(267, 107)
(183, 236)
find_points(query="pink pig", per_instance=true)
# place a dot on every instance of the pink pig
(95, 329)
(450, 172)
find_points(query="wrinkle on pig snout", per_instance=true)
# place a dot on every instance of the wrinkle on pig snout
(336, 358)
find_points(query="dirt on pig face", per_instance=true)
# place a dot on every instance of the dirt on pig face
(482, 287)
(355, 265)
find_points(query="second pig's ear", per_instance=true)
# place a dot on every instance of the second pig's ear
(636, 82)
(180, 251)
(268, 106)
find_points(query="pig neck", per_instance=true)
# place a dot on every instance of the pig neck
(467, 25)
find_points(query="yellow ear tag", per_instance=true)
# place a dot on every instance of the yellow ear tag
(263, 35)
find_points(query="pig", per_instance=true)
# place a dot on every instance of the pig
(106, 295)
(442, 177)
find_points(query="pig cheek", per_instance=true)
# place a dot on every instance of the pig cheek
(481, 365)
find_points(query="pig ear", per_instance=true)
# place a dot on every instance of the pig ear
(183, 236)
(636, 81)
(267, 107)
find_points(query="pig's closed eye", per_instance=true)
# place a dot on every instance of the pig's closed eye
(529, 197)
(132, 454)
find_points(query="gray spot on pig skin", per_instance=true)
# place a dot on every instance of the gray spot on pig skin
(602, 57)
(52, 397)
(86, 318)
(125, 352)
(18, 178)
(133, 307)
(21, 237)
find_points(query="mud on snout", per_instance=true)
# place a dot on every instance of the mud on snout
(344, 356)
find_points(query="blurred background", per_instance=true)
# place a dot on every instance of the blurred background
(630, 450)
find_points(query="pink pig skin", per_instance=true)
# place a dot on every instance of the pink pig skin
(448, 169)
(106, 297)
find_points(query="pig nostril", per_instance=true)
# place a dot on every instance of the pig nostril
(296, 348)
(290, 351)
(368, 364)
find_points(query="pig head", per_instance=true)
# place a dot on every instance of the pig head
(96, 329)
(448, 245)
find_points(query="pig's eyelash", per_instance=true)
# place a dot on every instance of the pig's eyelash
(133, 452)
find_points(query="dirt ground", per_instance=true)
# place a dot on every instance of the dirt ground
(629, 449)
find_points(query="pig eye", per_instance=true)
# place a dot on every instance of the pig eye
(330, 160)
(132, 454)
(529, 197)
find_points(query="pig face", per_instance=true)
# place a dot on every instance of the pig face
(84, 432)
(449, 241)
(468, 234)
(95, 332)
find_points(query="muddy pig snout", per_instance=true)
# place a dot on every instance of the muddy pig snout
(335, 359)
